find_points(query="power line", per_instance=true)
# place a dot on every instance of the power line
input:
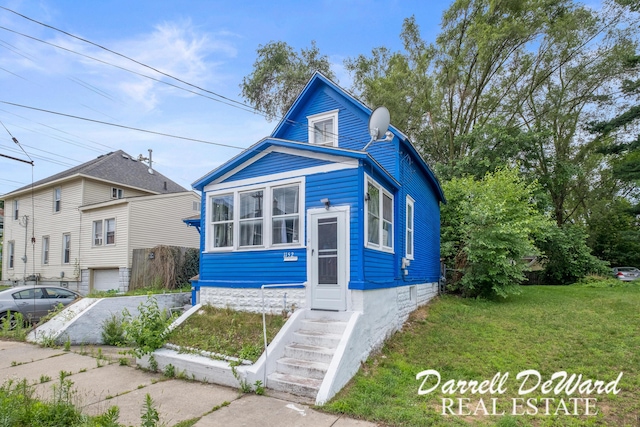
(122, 126)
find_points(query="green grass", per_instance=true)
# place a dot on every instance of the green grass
(225, 331)
(149, 290)
(591, 329)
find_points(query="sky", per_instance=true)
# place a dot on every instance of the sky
(208, 43)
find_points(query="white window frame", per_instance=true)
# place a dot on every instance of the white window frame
(12, 254)
(381, 221)
(57, 199)
(267, 216)
(196, 206)
(46, 249)
(16, 210)
(106, 231)
(97, 236)
(410, 230)
(312, 120)
(117, 193)
(66, 247)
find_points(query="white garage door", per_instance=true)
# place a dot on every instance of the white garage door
(105, 280)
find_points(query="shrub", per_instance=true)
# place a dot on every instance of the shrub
(148, 330)
(113, 331)
(487, 229)
(566, 256)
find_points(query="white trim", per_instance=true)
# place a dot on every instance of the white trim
(412, 203)
(66, 247)
(379, 247)
(320, 117)
(57, 190)
(45, 260)
(339, 163)
(344, 232)
(267, 244)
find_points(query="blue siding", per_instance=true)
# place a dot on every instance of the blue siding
(426, 264)
(274, 163)
(353, 128)
(252, 269)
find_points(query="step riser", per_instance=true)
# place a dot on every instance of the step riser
(297, 389)
(310, 355)
(300, 371)
(317, 340)
(326, 327)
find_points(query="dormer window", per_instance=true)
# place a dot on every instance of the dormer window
(323, 128)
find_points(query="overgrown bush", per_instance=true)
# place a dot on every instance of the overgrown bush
(113, 330)
(147, 331)
(487, 229)
(566, 256)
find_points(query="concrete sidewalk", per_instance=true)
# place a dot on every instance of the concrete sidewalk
(100, 382)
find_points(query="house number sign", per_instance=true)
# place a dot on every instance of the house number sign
(290, 256)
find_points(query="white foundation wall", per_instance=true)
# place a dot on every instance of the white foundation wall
(244, 299)
(380, 312)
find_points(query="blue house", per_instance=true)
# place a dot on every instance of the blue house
(353, 236)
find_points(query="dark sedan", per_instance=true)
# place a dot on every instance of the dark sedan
(33, 302)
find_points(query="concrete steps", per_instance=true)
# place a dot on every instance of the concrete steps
(306, 360)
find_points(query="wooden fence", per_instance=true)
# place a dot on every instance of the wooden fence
(145, 268)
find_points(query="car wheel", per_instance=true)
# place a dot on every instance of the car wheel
(8, 318)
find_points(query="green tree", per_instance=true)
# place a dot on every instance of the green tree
(279, 75)
(614, 234)
(487, 229)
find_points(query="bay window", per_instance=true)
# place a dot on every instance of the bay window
(268, 216)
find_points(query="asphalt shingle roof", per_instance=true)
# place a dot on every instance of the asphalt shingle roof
(117, 167)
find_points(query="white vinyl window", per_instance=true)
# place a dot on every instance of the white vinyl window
(410, 227)
(285, 214)
(222, 220)
(117, 193)
(15, 209)
(45, 250)
(66, 248)
(104, 232)
(323, 128)
(379, 224)
(251, 218)
(97, 233)
(12, 253)
(110, 231)
(57, 193)
(267, 217)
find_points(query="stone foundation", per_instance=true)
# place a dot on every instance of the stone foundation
(249, 299)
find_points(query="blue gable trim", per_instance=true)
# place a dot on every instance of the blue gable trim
(274, 163)
(266, 143)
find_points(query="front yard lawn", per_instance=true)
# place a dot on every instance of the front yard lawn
(592, 331)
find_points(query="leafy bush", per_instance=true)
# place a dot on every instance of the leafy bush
(487, 229)
(113, 331)
(148, 330)
(566, 256)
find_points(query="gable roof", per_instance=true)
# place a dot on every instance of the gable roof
(266, 143)
(316, 82)
(118, 168)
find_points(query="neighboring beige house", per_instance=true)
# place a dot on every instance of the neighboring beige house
(78, 228)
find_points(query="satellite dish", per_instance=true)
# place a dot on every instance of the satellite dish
(379, 122)
(378, 126)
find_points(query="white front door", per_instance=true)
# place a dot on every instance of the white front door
(328, 257)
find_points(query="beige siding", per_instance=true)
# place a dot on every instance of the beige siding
(98, 192)
(43, 221)
(158, 221)
(105, 256)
